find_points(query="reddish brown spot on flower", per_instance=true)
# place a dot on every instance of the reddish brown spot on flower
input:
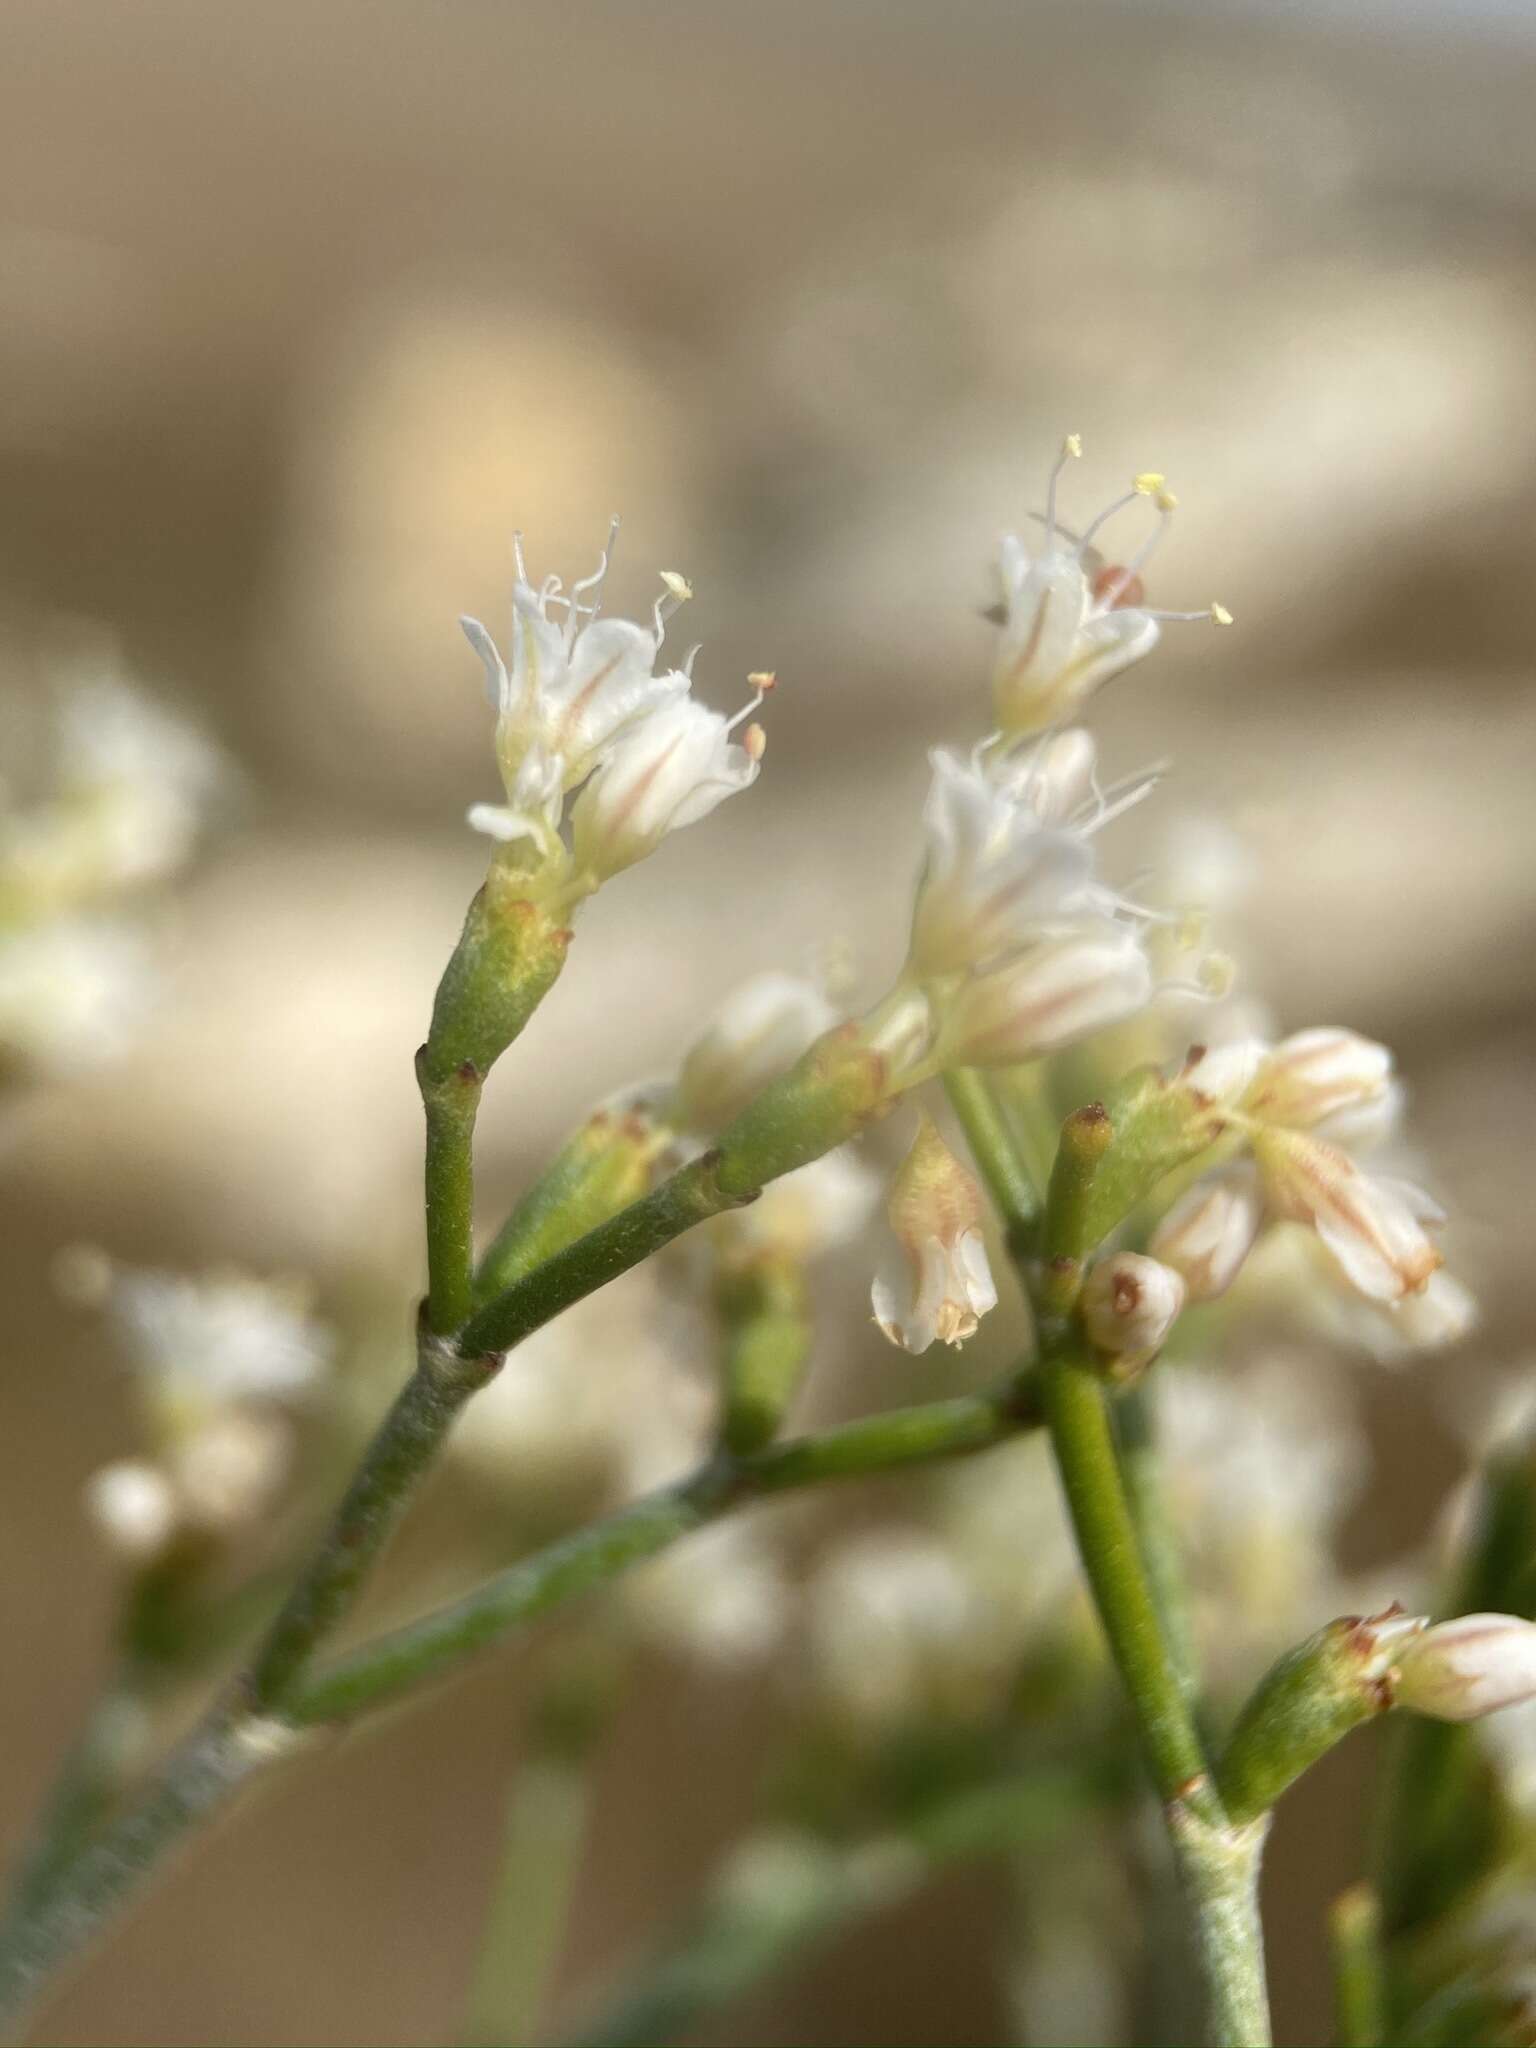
(1120, 589)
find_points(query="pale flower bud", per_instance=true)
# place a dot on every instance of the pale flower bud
(757, 1034)
(939, 1284)
(1130, 1303)
(1316, 1074)
(1080, 980)
(133, 1504)
(1462, 1669)
(1374, 1227)
(1210, 1230)
(669, 770)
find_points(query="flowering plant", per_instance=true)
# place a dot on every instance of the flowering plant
(1105, 1146)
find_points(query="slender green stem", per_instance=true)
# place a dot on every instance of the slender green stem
(1359, 1989)
(1142, 1476)
(542, 1841)
(451, 1107)
(1218, 1864)
(996, 1156)
(87, 1787)
(234, 1741)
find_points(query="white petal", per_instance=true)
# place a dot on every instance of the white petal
(497, 685)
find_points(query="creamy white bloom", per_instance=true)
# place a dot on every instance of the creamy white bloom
(137, 779)
(1316, 1075)
(1460, 1670)
(575, 681)
(809, 1212)
(133, 1505)
(936, 1282)
(1130, 1303)
(228, 1470)
(994, 874)
(1441, 1314)
(1210, 1230)
(669, 770)
(898, 1633)
(218, 1338)
(536, 794)
(73, 993)
(1373, 1226)
(756, 1035)
(721, 1596)
(1070, 620)
(1090, 975)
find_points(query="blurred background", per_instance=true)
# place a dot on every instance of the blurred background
(303, 309)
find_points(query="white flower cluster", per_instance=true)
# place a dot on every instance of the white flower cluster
(131, 788)
(219, 1363)
(1304, 1108)
(581, 708)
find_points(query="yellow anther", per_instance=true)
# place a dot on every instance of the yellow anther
(1072, 445)
(1149, 483)
(762, 680)
(677, 586)
(1190, 930)
(1220, 616)
(754, 742)
(1166, 501)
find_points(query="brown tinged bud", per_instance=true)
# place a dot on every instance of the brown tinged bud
(1129, 1305)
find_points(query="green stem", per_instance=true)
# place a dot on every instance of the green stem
(1354, 1925)
(233, 1742)
(542, 1841)
(1218, 1864)
(996, 1156)
(451, 1108)
(87, 1787)
(1142, 1475)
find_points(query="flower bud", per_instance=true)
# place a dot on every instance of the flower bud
(507, 959)
(757, 1034)
(1210, 1230)
(1093, 974)
(1130, 1303)
(1460, 1670)
(604, 1167)
(1316, 1074)
(939, 1284)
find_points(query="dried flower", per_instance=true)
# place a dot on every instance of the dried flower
(937, 1284)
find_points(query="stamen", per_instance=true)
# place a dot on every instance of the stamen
(762, 684)
(1103, 519)
(677, 592)
(754, 743)
(690, 658)
(594, 582)
(518, 564)
(1125, 576)
(1121, 797)
(1213, 615)
(1071, 448)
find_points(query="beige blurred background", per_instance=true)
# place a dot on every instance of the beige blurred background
(303, 308)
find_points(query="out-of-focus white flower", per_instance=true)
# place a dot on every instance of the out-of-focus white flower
(230, 1468)
(1261, 1469)
(576, 681)
(720, 1595)
(1061, 989)
(1373, 1226)
(1441, 1314)
(133, 1505)
(1316, 1075)
(937, 1283)
(810, 1212)
(1070, 620)
(899, 1635)
(73, 993)
(1210, 1230)
(142, 777)
(1130, 1303)
(1000, 1515)
(671, 769)
(218, 1339)
(1460, 1670)
(756, 1035)
(1510, 1738)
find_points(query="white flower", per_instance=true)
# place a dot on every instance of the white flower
(809, 1212)
(756, 1035)
(937, 1282)
(536, 795)
(720, 1596)
(1210, 1230)
(1092, 974)
(1069, 620)
(1441, 1314)
(575, 681)
(1373, 1226)
(899, 1634)
(217, 1339)
(1460, 1670)
(1318, 1075)
(669, 770)
(994, 873)
(72, 993)
(1130, 1303)
(138, 778)
(133, 1505)
(230, 1467)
